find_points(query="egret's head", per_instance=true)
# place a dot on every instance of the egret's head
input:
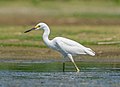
(37, 27)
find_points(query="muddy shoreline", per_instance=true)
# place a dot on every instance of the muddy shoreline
(34, 54)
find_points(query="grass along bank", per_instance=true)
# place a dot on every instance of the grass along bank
(57, 66)
(87, 35)
(14, 44)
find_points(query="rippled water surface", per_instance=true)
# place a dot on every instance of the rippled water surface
(51, 75)
(60, 79)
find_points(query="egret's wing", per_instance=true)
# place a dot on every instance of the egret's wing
(71, 42)
(69, 46)
(72, 47)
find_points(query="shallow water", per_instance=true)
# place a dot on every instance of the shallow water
(60, 79)
(51, 75)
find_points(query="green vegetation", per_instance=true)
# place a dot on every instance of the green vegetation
(14, 44)
(17, 12)
(56, 66)
(87, 35)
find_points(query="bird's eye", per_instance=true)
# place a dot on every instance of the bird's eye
(38, 25)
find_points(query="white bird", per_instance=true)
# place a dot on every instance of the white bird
(68, 48)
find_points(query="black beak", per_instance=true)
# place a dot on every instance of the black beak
(29, 30)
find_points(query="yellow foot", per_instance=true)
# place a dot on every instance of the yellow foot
(78, 70)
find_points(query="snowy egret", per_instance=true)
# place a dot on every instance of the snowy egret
(68, 48)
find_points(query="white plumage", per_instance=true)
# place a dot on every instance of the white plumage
(66, 47)
(71, 47)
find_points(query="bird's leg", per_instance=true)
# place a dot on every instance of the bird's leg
(71, 58)
(63, 66)
(63, 63)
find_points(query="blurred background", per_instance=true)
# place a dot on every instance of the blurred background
(27, 12)
(93, 23)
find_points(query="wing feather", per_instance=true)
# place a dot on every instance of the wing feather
(67, 46)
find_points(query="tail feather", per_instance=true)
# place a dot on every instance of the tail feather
(90, 52)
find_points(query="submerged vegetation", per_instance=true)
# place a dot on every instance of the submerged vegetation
(57, 66)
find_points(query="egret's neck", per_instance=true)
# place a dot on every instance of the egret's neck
(46, 35)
